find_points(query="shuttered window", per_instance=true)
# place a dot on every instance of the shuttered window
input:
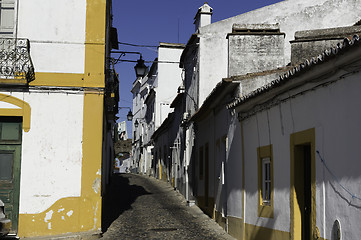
(7, 17)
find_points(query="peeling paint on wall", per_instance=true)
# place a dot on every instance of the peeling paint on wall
(69, 213)
(96, 185)
(95, 214)
(61, 209)
(48, 216)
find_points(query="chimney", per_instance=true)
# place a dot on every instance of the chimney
(311, 43)
(203, 16)
(254, 48)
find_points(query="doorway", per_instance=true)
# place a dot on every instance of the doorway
(303, 206)
(10, 159)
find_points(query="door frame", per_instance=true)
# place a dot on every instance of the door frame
(302, 138)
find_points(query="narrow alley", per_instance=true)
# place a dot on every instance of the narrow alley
(140, 207)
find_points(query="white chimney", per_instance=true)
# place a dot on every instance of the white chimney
(203, 16)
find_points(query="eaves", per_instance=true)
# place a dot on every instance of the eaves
(350, 47)
(177, 100)
(163, 127)
(213, 100)
(324, 65)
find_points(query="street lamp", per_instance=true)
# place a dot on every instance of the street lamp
(129, 115)
(136, 123)
(140, 68)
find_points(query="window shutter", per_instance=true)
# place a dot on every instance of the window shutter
(7, 16)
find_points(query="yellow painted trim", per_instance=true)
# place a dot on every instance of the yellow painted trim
(13, 81)
(24, 111)
(95, 43)
(235, 227)
(264, 210)
(253, 232)
(58, 79)
(201, 203)
(95, 22)
(220, 219)
(300, 138)
(90, 208)
(160, 169)
(64, 218)
(94, 65)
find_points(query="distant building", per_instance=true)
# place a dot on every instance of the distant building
(121, 132)
(152, 96)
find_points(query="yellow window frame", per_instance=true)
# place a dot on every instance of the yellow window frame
(265, 209)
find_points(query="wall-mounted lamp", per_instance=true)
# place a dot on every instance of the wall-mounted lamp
(136, 123)
(129, 115)
(140, 68)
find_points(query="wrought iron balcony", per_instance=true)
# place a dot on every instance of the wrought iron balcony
(16, 66)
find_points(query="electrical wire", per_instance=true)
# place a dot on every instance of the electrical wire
(136, 45)
(134, 61)
(335, 178)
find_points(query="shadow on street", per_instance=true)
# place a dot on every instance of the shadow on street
(119, 198)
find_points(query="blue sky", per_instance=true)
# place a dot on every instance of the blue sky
(146, 22)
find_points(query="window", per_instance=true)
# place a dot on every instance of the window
(7, 17)
(265, 181)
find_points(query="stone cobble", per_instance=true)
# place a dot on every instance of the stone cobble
(151, 209)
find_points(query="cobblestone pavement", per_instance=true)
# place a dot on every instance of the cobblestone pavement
(146, 208)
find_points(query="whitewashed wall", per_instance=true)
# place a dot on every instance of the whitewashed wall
(169, 79)
(51, 158)
(56, 40)
(292, 16)
(333, 112)
(234, 169)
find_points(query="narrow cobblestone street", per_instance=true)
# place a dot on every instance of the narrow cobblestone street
(141, 207)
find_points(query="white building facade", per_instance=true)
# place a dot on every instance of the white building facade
(52, 114)
(152, 97)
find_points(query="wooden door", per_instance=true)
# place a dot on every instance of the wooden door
(10, 158)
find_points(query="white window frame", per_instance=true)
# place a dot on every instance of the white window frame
(266, 181)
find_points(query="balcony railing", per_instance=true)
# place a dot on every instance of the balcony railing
(15, 61)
